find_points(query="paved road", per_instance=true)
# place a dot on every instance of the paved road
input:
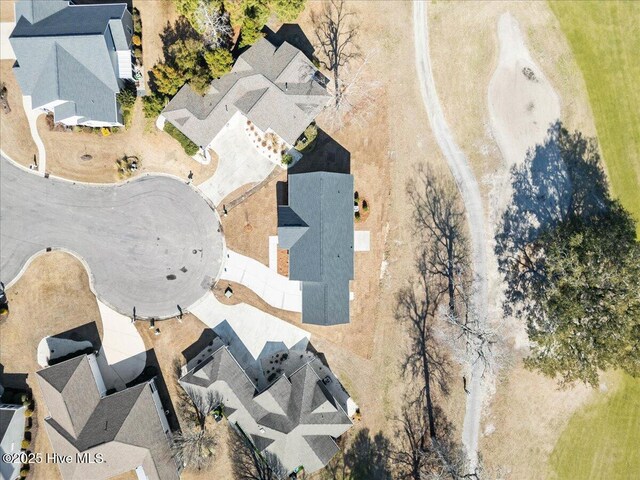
(459, 166)
(151, 244)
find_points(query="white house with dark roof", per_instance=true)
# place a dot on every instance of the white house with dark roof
(294, 413)
(72, 60)
(277, 88)
(128, 429)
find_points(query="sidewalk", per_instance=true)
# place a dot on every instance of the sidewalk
(32, 117)
(277, 290)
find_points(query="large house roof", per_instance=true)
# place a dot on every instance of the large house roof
(124, 427)
(11, 435)
(275, 87)
(66, 53)
(295, 418)
(317, 229)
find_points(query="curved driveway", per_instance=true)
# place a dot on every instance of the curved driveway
(153, 243)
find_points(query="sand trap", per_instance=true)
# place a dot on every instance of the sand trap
(522, 102)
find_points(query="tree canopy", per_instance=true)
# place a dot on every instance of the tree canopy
(571, 262)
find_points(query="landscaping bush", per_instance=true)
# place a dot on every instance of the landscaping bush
(190, 148)
(307, 140)
(136, 40)
(28, 412)
(287, 159)
(365, 205)
(357, 215)
(25, 444)
(24, 471)
(152, 105)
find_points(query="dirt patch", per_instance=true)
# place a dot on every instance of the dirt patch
(52, 297)
(156, 150)
(15, 135)
(283, 262)
(154, 14)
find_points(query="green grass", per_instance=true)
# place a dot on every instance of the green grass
(602, 440)
(605, 40)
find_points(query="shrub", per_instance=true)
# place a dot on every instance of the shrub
(152, 105)
(287, 159)
(365, 205)
(136, 40)
(357, 215)
(190, 148)
(28, 412)
(24, 398)
(24, 471)
(355, 195)
(26, 443)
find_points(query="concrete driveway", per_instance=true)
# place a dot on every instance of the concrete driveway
(150, 244)
(275, 289)
(239, 162)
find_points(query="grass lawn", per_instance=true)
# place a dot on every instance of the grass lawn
(605, 39)
(601, 440)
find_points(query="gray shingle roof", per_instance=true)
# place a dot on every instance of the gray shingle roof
(124, 427)
(275, 87)
(322, 257)
(11, 435)
(67, 52)
(295, 418)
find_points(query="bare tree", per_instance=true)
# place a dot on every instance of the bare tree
(438, 214)
(416, 306)
(249, 464)
(212, 23)
(418, 456)
(194, 448)
(336, 30)
(204, 402)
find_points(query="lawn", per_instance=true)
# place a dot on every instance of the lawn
(601, 440)
(605, 39)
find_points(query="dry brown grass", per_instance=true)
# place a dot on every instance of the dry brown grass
(157, 151)
(525, 420)
(52, 296)
(6, 11)
(15, 137)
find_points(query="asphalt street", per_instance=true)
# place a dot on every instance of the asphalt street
(151, 244)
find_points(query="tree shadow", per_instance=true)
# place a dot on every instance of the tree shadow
(558, 180)
(180, 30)
(326, 156)
(367, 457)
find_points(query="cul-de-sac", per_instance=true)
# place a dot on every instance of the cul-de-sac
(319, 239)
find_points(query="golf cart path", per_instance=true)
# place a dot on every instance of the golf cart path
(468, 186)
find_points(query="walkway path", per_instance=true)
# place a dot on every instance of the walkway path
(277, 290)
(32, 118)
(459, 166)
(150, 244)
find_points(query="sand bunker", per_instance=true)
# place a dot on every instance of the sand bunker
(522, 102)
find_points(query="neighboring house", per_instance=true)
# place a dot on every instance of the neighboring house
(127, 428)
(72, 60)
(11, 435)
(317, 229)
(277, 88)
(295, 418)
